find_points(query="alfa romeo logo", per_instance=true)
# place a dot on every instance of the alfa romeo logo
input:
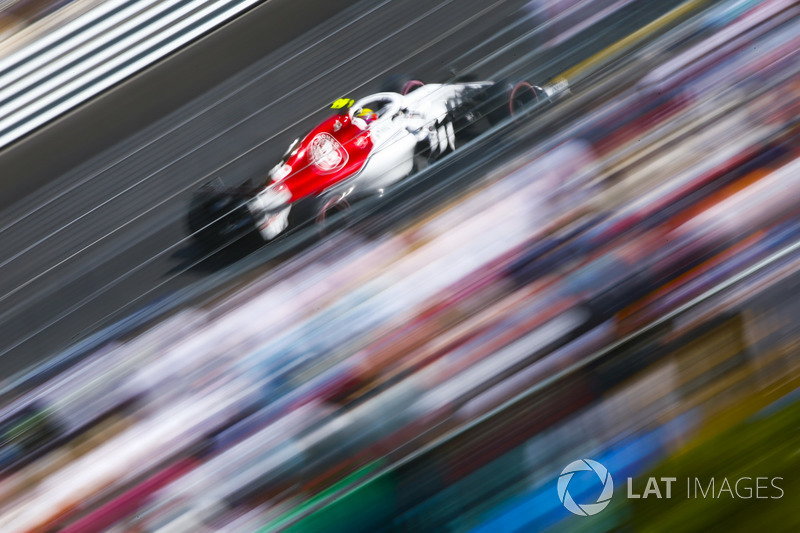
(327, 154)
(585, 509)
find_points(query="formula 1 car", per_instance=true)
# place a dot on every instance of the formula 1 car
(369, 145)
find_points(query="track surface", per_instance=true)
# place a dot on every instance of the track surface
(102, 239)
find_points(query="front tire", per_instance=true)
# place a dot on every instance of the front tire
(400, 83)
(217, 217)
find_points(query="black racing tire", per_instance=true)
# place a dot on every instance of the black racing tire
(522, 95)
(400, 83)
(505, 99)
(211, 215)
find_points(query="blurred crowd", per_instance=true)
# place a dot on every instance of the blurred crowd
(622, 290)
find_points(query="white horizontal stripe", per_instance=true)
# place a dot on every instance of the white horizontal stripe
(41, 65)
(84, 21)
(102, 59)
(103, 66)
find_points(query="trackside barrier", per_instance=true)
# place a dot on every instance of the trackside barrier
(97, 50)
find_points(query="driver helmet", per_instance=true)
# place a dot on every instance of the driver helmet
(367, 115)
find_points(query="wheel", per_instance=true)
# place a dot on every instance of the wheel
(400, 83)
(216, 217)
(504, 100)
(522, 95)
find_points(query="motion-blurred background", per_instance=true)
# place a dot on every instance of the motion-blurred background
(610, 276)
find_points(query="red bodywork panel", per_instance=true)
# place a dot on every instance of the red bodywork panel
(331, 153)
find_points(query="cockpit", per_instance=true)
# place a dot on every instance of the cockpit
(375, 107)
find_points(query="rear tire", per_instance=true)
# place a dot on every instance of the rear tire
(506, 100)
(522, 95)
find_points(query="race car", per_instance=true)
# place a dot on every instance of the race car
(365, 148)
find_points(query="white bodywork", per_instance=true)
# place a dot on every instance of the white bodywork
(404, 121)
